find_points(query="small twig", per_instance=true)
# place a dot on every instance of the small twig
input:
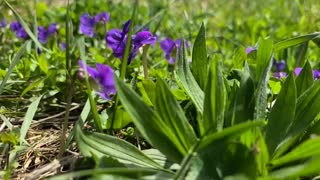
(53, 166)
(54, 116)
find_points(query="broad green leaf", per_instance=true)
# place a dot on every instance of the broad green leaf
(43, 63)
(264, 54)
(199, 58)
(173, 116)
(295, 41)
(161, 159)
(306, 110)
(99, 145)
(149, 123)
(311, 167)
(189, 84)
(147, 89)
(215, 98)
(307, 149)
(244, 103)
(115, 173)
(188, 81)
(28, 118)
(221, 159)
(301, 54)
(264, 64)
(305, 79)
(282, 114)
(239, 57)
(13, 64)
(235, 130)
(122, 119)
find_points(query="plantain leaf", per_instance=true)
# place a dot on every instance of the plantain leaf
(149, 124)
(189, 84)
(215, 95)
(307, 149)
(311, 167)
(295, 41)
(185, 77)
(101, 145)
(173, 116)
(199, 58)
(264, 64)
(244, 104)
(282, 114)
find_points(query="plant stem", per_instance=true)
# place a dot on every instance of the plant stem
(145, 61)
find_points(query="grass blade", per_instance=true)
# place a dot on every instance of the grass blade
(28, 118)
(295, 41)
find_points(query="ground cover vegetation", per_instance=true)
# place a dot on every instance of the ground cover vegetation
(159, 89)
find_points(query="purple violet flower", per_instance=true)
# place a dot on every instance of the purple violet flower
(18, 29)
(104, 77)
(280, 75)
(87, 25)
(250, 49)
(316, 73)
(279, 65)
(170, 49)
(103, 16)
(116, 39)
(63, 46)
(44, 33)
(3, 23)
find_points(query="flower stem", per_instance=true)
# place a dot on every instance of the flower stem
(145, 61)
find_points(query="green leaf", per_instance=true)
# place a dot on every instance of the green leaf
(239, 57)
(199, 58)
(264, 64)
(311, 167)
(235, 130)
(212, 164)
(161, 159)
(264, 54)
(122, 119)
(43, 63)
(295, 41)
(215, 98)
(173, 116)
(147, 89)
(32, 85)
(149, 123)
(116, 173)
(28, 118)
(189, 84)
(100, 145)
(244, 104)
(15, 61)
(305, 79)
(307, 109)
(282, 114)
(307, 149)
